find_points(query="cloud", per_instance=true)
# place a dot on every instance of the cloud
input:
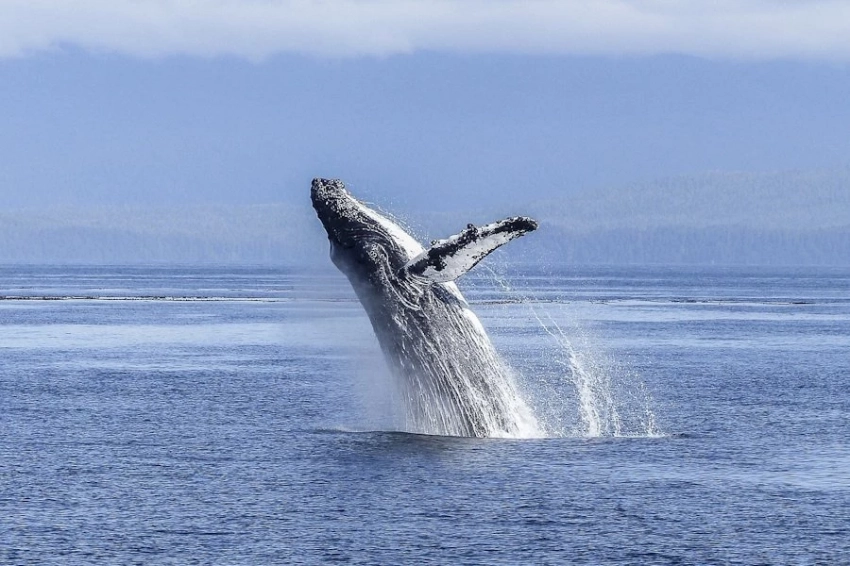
(256, 29)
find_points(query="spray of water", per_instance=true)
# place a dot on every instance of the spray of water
(582, 391)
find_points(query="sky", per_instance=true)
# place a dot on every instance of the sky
(432, 104)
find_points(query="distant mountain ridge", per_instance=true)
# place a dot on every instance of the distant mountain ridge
(786, 218)
(789, 218)
(790, 200)
(274, 233)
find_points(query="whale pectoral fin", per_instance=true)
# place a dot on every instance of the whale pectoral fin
(446, 260)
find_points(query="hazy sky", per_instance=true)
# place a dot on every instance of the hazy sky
(428, 103)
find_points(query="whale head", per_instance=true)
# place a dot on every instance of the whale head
(365, 245)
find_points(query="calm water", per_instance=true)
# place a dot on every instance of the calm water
(242, 416)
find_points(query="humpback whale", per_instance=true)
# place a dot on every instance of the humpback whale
(452, 380)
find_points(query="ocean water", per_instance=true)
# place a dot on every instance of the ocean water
(190, 415)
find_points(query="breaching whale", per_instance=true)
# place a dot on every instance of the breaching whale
(452, 380)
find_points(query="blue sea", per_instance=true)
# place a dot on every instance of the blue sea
(243, 415)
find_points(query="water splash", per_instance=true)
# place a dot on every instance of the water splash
(576, 390)
(581, 390)
(611, 400)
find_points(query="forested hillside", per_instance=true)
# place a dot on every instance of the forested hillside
(796, 218)
(721, 218)
(201, 234)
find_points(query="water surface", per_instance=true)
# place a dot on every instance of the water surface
(241, 415)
